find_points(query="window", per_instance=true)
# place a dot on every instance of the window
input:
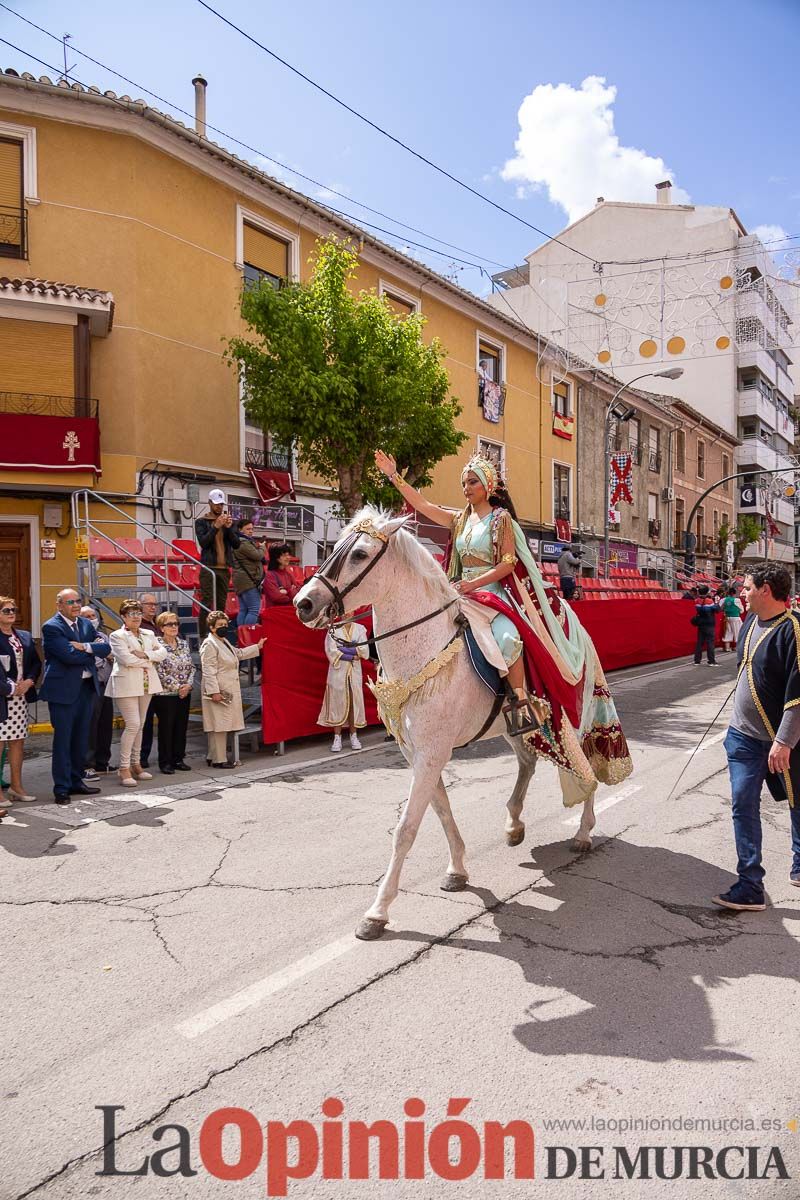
(562, 486)
(561, 398)
(400, 304)
(680, 522)
(680, 451)
(701, 459)
(715, 525)
(635, 439)
(654, 448)
(489, 362)
(726, 470)
(700, 526)
(652, 506)
(265, 256)
(12, 211)
(495, 452)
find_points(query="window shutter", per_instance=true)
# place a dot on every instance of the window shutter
(400, 308)
(37, 357)
(10, 193)
(265, 252)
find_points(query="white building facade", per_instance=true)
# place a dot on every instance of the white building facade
(637, 288)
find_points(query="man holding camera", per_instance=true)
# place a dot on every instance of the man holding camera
(217, 540)
(569, 566)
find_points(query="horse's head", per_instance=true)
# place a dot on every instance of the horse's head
(358, 569)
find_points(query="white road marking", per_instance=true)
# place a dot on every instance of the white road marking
(623, 794)
(711, 741)
(259, 991)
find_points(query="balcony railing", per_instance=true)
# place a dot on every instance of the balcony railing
(38, 404)
(635, 451)
(268, 460)
(13, 232)
(654, 460)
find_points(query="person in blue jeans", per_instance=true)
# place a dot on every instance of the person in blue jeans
(762, 740)
(248, 572)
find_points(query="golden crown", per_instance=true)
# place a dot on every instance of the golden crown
(487, 469)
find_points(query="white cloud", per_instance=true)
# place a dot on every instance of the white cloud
(771, 236)
(567, 145)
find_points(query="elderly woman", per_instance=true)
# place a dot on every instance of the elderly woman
(222, 695)
(133, 683)
(19, 669)
(171, 705)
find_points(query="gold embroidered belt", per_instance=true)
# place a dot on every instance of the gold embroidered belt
(392, 695)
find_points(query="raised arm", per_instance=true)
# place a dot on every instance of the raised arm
(439, 516)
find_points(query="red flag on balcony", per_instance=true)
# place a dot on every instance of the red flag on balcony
(32, 442)
(272, 486)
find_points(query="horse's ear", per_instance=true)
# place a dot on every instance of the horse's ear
(396, 523)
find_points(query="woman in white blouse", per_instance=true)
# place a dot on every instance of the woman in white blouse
(133, 681)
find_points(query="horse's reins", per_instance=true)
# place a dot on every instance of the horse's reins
(333, 566)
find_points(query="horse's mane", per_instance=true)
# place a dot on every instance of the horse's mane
(410, 552)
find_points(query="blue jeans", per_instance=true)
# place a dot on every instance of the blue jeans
(249, 606)
(747, 765)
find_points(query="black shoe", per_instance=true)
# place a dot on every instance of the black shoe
(226, 766)
(181, 766)
(167, 770)
(144, 763)
(83, 790)
(60, 798)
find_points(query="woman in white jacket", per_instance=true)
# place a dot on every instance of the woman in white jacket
(133, 681)
(221, 692)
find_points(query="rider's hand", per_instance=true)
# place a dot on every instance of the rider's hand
(464, 586)
(779, 756)
(385, 463)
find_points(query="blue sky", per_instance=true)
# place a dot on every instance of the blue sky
(704, 86)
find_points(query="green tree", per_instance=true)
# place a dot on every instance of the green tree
(748, 529)
(338, 375)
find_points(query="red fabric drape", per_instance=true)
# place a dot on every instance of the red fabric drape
(628, 632)
(41, 443)
(272, 486)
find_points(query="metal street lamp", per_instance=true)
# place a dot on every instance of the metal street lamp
(623, 412)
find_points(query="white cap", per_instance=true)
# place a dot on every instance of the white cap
(217, 496)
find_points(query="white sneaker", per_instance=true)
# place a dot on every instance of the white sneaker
(336, 744)
(355, 744)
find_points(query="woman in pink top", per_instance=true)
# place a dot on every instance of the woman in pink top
(279, 587)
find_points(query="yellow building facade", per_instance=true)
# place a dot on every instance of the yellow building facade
(125, 238)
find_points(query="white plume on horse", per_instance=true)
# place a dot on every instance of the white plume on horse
(378, 562)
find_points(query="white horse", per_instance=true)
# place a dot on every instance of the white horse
(389, 569)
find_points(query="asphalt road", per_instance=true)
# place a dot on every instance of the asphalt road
(191, 949)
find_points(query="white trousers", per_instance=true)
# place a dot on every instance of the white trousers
(217, 746)
(133, 710)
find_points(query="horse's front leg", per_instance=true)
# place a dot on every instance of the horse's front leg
(526, 765)
(426, 777)
(456, 877)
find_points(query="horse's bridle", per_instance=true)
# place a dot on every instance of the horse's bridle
(333, 565)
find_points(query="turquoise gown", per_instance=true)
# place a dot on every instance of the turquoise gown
(475, 541)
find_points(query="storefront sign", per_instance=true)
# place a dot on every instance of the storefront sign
(622, 555)
(551, 551)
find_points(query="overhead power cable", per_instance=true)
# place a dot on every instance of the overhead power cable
(252, 149)
(392, 138)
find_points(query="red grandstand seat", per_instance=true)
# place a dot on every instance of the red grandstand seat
(157, 579)
(232, 605)
(104, 550)
(190, 577)
(154, 551)
(131, 546)
(185, 548)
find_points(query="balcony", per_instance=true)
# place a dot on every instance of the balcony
(268, 460)
(635, 451)
(49, 434)
(13, 232)
(654, 460)
(491, 398)
(753, 402)
(753, 355)
(784, 382)
(754, 452)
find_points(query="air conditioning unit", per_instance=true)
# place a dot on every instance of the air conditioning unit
(668, 494)
(175, 497)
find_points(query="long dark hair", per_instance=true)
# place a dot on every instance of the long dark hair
(275, 552)
(501, 499)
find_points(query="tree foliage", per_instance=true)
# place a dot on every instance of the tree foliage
(338, 374)
(748, 529)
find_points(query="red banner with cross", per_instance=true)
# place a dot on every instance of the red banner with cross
(31, 442)
(621, 479)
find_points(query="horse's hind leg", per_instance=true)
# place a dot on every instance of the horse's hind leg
(426, 778)
(456, 877)
(526, 765)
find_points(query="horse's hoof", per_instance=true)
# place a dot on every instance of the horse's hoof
(515, 838)
(453, 883)
(582, 844)
(370, 929)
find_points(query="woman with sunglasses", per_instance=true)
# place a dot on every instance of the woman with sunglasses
(171, 707)
(222, 695)
(19, 669)
(133, 684)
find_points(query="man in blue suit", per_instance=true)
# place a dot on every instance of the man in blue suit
(70, 686)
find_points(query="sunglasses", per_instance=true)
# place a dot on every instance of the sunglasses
(167, 624)
(70, 601)
(8, 612)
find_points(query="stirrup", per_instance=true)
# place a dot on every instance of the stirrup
(523, 714)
